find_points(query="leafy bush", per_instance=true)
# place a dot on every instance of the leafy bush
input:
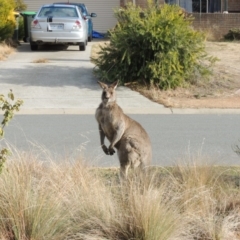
(20, 5)
(7, 19)
(7, 30)
(9, 108)
(21, 32)
(233, 34)
(156, 45)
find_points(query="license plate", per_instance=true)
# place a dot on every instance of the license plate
(56, 26)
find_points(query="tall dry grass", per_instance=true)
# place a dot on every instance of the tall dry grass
(5, 50)
(70, 200)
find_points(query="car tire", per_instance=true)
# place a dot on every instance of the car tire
(90, 38)
(82, 46)
(34, 47)
(65, 47)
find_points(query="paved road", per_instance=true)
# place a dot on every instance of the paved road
(61, 95)
(173, 136)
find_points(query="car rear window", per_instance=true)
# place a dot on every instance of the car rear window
(58, 12)
(81, 6)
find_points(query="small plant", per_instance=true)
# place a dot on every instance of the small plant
(236, 149)
(5, 51)
(8, 108)
(233, 34)
(156, 45)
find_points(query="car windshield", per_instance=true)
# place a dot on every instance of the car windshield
(58, 12)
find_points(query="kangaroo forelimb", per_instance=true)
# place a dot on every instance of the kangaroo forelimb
(102, 137)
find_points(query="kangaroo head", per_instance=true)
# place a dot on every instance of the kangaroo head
(108, 93)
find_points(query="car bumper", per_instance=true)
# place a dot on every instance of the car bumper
(55, 37)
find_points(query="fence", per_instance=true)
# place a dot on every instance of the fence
(209, 14)
(201, 6)
(216, 25)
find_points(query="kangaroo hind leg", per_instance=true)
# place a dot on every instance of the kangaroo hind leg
(128, 159)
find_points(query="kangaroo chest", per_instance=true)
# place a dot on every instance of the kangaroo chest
(109, 121)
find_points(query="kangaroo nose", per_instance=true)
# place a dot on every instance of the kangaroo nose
(106, 95)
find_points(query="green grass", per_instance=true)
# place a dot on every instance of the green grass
(68, 200)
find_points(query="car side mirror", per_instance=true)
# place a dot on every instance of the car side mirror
(93, 15)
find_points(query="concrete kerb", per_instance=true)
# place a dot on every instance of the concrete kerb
(91, 111)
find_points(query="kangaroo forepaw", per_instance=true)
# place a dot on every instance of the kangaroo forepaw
(105, 149)
(111, 151)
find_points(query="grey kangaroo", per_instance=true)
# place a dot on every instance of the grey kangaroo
(126, 135)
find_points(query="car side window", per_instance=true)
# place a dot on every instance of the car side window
(80, 11)
(86, 10)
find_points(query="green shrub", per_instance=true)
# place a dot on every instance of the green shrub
(21, 33)
(7, 30)
(20, 5)
(233, 34)
(155, 45)
(7, 19)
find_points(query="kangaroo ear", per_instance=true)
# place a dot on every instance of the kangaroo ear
(114, 85)
(102, 85)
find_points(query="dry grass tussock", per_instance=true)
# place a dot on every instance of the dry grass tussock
(41, 60)
(5, 50)
(70, 200)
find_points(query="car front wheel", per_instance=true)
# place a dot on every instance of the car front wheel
(82, 46)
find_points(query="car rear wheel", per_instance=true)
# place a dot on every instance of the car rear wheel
(82, 46)
(65, 47)
(34, 47)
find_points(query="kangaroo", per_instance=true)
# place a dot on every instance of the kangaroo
(125, 134)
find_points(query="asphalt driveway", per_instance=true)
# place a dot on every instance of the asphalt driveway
(53, 81)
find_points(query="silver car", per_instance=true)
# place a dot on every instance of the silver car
(59, 24)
